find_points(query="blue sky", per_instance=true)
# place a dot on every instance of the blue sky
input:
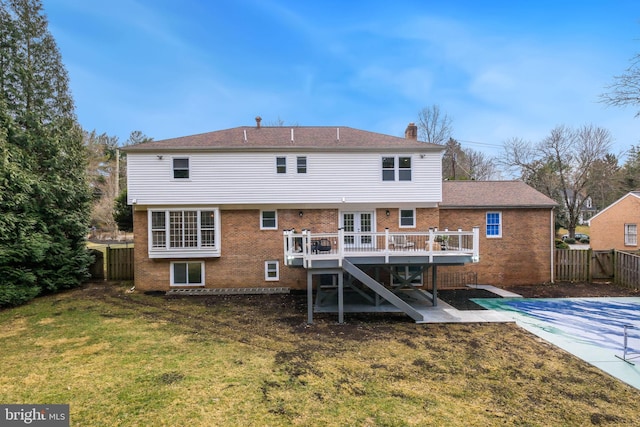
(499, 69)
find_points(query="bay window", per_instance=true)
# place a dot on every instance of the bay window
(183, 232)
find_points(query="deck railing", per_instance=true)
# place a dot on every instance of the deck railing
(308, 246)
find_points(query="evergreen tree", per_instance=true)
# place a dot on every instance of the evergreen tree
(123, 213)
(44, 196)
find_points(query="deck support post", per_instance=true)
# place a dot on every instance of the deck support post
(340, 298)
(434, 280)
(309, 297)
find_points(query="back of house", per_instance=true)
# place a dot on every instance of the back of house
(211, 210)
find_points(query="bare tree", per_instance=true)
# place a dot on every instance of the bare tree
(625, 90)
(480, 166)
(561, 166)
(433, 125)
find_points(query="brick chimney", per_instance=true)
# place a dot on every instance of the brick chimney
(258, 120)
(411, 132)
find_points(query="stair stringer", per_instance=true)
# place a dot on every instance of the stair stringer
(385, 293)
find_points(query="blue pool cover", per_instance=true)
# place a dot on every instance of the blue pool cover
(592, 329)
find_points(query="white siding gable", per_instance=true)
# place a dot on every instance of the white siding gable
(250, 178)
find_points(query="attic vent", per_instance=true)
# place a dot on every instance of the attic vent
(258, 120)
(338, 134)
(292, 139)
(245, 135)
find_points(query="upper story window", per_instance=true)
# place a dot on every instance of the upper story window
(396, 168)
(281, 164)
(302, 164)
(172, 232)
(494, 224)
(407, 218)
(631, 234)
(268, 220)
(180, 168)
(388, 168)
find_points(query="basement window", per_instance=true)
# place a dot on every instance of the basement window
(187, 273)
(271, 271)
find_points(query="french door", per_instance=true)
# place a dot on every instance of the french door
(356, 225)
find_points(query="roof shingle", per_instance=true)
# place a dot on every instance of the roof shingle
(492, 194)
(301, 137)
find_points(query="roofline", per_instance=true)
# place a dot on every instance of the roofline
(630, 193)
(468, 207)
(281, 148)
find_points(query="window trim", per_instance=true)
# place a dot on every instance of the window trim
(388, 169)
(397, 172)
(499, 224)
(174, 169)
(204, 234)
(413, 218)
(275, 218)
(281, 165)
(187, 262)
(628, 235)
(301, 168)
(269, 263)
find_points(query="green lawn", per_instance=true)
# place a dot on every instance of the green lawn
(129, 359)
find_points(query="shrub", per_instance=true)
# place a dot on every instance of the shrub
(570, 240)
(561, 245)
(11, 295)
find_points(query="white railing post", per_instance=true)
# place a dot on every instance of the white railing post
(287, 246)
(306, 248)
(386, 245)
(340, 246)
(476, 244)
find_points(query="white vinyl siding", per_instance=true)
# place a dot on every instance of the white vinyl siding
(336, 178)
(184, 233)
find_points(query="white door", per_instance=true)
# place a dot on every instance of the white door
(356, 225)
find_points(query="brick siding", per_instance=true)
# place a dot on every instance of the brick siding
(521, 256)
(607, 229)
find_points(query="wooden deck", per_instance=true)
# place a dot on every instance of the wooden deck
(325, 250)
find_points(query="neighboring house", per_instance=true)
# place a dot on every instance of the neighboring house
(616, 226)
(587, 209)
(324, 207)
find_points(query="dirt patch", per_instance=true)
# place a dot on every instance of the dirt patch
(461, 298)
(573, 290)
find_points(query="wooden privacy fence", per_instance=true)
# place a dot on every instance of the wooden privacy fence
(119, 263)
(627, 269)
(587, 265)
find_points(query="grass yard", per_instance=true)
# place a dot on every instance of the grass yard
(129, 359)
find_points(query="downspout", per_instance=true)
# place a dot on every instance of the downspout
(553, 245)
